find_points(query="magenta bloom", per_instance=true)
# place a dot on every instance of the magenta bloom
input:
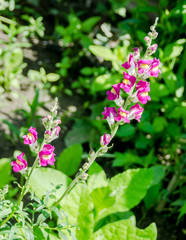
(109, 111)
(130, 65)
(144, 67)
(20, 164)
(114, 92)
(142, 93)
(109, 114)
(31, 137)
(46, 155)
(135, 112)
(56, 131)
(154, 71)
(128, 82)
(143, 84)
(105, 139)
(122, 115)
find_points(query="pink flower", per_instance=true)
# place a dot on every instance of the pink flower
(109, 114)
(154, 71)
(144, 67)
(143, 84)
(109, 111)
(114, 92)
(20, 164)
(46, 155)
(135, 112)
(130, 66)
(105, 139)
(56, 131)
(142, 93)
(31, 137)
(122, 115)
(128, 82)
(153, 48)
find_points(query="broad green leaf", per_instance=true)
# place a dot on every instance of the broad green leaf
(5, 172)
(102, 199)
(158, 91)
(153, 192)
(158, 173)
(129, 188)
(152, 195)
(170, 80)
(80, 133)
(101, 51)
(44, 180)
(123, 229)
(104, 82)
(69, 160)
(149, 233)
(126, 130)
(85, 218)
(115, 217)
(171, 51)
(127, 158)
(52, 77)
(159, 124)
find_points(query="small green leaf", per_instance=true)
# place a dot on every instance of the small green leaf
(89, 23)
(171, 51)
(69, 160)
(52, 77)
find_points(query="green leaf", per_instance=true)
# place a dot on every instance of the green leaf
(158, 91)
(52, 77)
(153, 192)
(126, 130)
(159, 124)
(158, 173)
(89, 23)
(80, 133)
(129, 188)
(149, 233)
(171, 51)
(123, 229)
(115, 217)
(152, 196)
(170, 80)
(102, 199)
(101, 51)
(44, 180)
(85, 218)
(5, 172)
(182, 210)
(69, 160)
(104, 82)
(122, 159)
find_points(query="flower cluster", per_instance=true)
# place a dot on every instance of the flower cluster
(46, 151)
(137, 70)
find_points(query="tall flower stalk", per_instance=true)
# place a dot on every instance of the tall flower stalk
(135, 85)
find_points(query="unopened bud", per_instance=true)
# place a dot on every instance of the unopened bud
(84, 176)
